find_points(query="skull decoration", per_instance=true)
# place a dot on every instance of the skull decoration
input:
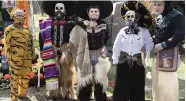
(34, 69)
(60, 7)
(60, 10)
(130, 15)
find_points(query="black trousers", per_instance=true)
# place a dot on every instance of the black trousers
(85, 93)
(130, 83)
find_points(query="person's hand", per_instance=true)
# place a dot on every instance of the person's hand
(158, 47)
(143, 49)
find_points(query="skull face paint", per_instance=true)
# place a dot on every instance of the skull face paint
(94, 14)
(130, 17)
(60, 11)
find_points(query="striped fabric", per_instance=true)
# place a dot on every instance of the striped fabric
(48, 56)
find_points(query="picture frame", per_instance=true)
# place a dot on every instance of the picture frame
(167, 60)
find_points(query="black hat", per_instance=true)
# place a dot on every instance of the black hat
(49, 7)
(137, 6)
(105, 7)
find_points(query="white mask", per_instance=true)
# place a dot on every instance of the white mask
(130, 15)
(60, 7)
(60, 10)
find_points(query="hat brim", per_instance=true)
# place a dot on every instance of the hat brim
(49, 7)
(106, 8)
(146, 18)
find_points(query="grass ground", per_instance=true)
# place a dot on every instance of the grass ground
(111, 75)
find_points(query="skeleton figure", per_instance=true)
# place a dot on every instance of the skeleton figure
(60, 11)
(59, 37)
(130, 46)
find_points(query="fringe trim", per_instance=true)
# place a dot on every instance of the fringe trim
(52, 85)
(82, 82)
(101, 69)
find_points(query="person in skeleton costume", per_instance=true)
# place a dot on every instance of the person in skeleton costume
(132, 41)
(20, 53)
(88, 40)
(170, 32)
(54, 38)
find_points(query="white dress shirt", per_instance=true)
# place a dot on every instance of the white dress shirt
(131, 43)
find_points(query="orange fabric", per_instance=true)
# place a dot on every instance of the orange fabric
(23, 5)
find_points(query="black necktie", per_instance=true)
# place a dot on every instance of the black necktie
(132, 29)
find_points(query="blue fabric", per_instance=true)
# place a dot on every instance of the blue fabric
(47, 47)
(94, 59)
(4, 63)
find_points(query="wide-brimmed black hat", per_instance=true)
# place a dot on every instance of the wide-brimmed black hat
(137, 6)
(106, 8)
(49, 7)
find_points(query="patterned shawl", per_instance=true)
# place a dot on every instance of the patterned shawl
(80, 51)
(48, 56)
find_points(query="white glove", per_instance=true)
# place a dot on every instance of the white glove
(158, 47)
